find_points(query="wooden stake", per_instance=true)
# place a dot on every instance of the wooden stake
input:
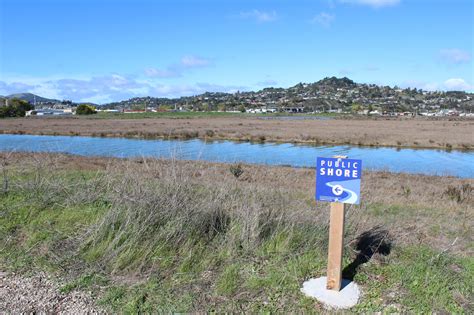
(336, 239)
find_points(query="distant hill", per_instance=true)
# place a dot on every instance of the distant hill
(29, 97)
(330, 94)
(337, 82)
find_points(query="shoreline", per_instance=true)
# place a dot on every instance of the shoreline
(178, 136)
(295, 164)
(411, 134)
(100, 162)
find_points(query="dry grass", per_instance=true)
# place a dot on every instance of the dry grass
(434, 210)
(456, 134)
(178, 236)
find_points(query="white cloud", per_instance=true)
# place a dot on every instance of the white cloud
(98, 99)
(453, 84)
(176, 70)
(426, 86)
(191, 61)
(176, 90)
(158, 73)
(457, 84)
(108, 88)
(324, 19)
(7, 88)
(259, 16)
(97, 88)
(429, 86)
(455, 55)
(373, 3)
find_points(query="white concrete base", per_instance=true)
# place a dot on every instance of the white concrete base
(346, 298)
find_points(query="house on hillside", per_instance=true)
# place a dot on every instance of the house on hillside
(49, 112)
(293, 110)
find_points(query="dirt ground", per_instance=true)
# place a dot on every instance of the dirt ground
(447, 134)
(39, 294)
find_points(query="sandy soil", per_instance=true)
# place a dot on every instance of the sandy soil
(374, 132)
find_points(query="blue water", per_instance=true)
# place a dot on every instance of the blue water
(423, 161)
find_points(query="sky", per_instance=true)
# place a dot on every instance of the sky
(104, 50)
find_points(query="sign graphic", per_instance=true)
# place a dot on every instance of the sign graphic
(338, 180)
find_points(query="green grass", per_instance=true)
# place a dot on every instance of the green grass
(169, 245)
(85, 281)
(419, 280)
(229, 280)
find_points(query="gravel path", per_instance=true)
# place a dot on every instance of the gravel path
(40, 294)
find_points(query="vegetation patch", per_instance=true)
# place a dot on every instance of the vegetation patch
(153, 236)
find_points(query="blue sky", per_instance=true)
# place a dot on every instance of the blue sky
(106, 50)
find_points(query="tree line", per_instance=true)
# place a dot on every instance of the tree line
(15, 108)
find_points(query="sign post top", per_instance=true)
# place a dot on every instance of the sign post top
(338, 179)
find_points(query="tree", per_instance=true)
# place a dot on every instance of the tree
(370, 109)
(85, 109)
(205, 107)
(221, 107)
(356, 108)
(16, 108)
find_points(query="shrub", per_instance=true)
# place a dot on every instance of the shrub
(459, 194)
(85, 109)
(236, 170)
(406, 191)
(210, 133)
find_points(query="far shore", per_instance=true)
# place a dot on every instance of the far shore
(402, 133)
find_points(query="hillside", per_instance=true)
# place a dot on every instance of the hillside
(31, 98)
(328, 94)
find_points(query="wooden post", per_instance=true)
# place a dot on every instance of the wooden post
(336, 241)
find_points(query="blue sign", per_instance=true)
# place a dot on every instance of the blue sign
(338, 180)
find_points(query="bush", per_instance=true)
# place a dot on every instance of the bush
(16, 108)
(459, 194)
(210, 133)
(85, 109)
(236, 170)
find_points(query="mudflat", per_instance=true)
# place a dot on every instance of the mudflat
(416, 132)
